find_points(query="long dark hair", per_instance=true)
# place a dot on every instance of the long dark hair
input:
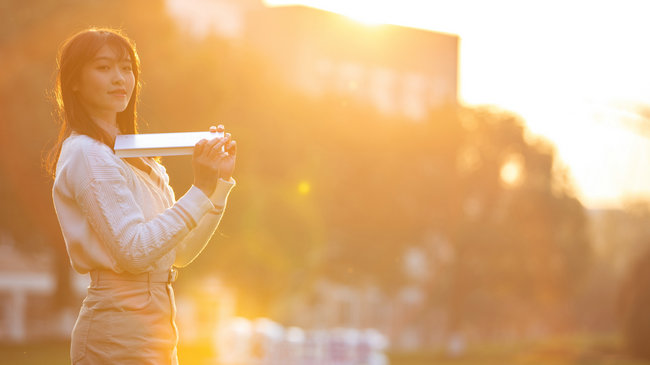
(75, 52)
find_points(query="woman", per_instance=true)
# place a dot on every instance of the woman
(119, 217)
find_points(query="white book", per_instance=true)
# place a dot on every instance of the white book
(160, 144)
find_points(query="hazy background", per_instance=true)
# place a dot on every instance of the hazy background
(450, 229)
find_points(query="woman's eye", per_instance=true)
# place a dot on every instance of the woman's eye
(102, 67)
(127, 68)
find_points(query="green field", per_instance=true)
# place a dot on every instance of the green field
(574, 350)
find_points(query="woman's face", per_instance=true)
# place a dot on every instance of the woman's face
(106, 83)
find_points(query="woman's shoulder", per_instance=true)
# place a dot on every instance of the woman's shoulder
(82, 156)
(82, 144)
(80, 148)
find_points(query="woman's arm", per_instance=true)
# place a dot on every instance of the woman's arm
(198, 238)
(101, 190)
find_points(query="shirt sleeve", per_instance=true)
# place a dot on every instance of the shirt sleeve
(103, 194)
(198, 238)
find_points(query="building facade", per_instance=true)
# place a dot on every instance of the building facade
(401, 71)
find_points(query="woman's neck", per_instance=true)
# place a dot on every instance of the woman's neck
(109, 125)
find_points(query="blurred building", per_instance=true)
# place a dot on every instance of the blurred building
(225, 18)
(401, 71)
(405, 317)
(27, 287)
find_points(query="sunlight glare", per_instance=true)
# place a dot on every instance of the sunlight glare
(304, 188)
(370, 13)
(360, 13)
(511, 170)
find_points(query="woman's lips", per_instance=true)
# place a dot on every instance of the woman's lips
(118, 92)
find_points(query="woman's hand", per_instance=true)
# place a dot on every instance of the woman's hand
(227, 162)
(207, 161)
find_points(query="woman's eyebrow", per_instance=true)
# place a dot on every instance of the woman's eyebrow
(111, 59)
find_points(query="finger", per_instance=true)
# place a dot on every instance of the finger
(216, 160)
(199, 147)
(231, 148)
(221, 128)
(216, 148)
(211, 143)
(224, 141)
(213, 129)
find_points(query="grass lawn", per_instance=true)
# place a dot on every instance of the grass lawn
(46, 353)
(574, 350)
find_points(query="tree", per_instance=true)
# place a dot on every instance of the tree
(516, 245)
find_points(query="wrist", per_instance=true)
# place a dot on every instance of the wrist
(207, 189)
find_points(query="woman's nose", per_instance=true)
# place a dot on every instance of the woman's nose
(118, 76)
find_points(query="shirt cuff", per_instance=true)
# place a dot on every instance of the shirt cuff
(221, 193)
(195, 203)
